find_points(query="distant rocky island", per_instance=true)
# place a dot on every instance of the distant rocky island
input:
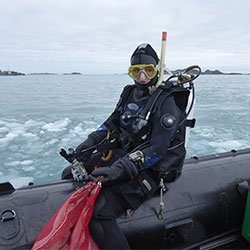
(217, 72)
(73, 73)
(10, 73)
(14, 73)
(209, 72)
(44, 73)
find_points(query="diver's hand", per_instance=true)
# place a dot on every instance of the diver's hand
(121, 170)
(70, 157)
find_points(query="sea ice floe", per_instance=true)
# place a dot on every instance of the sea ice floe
(89, 122)
(52, 141)
(28, 168)
(221, 146)
(4, 130)
(9, 137)
(57, 126)
(29, 135)
(13, 130)
(32, 123)
(17, 163)
(21, 181)
(65, 140)
(2, 122)
(78, 130)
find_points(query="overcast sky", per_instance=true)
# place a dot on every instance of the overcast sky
(99, 36)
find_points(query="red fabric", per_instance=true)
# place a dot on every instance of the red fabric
(68, 228)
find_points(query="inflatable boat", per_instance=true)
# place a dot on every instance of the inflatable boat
(204, 208)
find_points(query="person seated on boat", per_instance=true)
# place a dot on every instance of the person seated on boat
(142, 138)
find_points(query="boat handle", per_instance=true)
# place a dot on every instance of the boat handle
(11, 216)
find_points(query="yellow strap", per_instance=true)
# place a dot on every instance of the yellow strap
(108, 157)
(110, 153)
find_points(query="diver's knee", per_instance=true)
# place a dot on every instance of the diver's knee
(97, 231)
(66, 173)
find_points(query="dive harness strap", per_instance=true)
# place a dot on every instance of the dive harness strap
(125, 139)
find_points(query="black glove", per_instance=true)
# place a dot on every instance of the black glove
(86, 148)
(70, 157)
(121, 170)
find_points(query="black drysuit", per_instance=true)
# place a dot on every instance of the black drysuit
(163, 149)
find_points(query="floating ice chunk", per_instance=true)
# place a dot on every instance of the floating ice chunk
(21, 181)
(65, 141)
(16, 128)
(32, 123)
(29, 135)
(28, 168)
(2, 122)
(17, 163)
(9, 137)
(57, 126)
(89, 122)
(52, 141)
(225, 145)
(77, 130)
(4, 130)
(27, 162)
(12, 164)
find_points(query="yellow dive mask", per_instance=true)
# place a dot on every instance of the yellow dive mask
(148, 69)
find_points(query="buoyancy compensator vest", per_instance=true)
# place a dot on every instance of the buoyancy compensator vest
(170, 166)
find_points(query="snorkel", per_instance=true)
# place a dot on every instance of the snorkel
(162, 60)
(162, 63)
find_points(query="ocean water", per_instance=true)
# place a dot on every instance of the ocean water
(41, 114)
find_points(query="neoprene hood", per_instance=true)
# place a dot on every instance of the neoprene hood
(144, 54)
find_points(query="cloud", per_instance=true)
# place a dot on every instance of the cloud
(98, 36)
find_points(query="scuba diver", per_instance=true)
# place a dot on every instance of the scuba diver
(142, 141)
